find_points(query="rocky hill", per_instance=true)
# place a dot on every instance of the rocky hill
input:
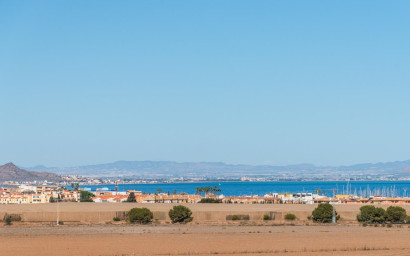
(10, 172)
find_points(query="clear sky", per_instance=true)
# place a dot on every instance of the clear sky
(253, 82)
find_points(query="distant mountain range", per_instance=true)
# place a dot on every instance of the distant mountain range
(155, 169)
(10, 172)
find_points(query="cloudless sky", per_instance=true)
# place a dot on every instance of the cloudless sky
(252, 82)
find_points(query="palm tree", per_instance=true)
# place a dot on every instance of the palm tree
(207, 189)
(198, 190)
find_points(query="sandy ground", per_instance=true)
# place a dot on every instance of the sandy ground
(112, 207)
(107, 240)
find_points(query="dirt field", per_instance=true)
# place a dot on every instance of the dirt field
(101, 213)
(107, 240)
(209, 234)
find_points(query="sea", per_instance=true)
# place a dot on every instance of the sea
(329, 188)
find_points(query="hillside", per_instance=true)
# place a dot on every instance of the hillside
(10, 172)
(155, 169)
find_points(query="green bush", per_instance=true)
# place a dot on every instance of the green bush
(116, 219)
(371, 214)
(364, 224)
(267, 217)
(140, 215)
(7, 220)
(234, 217)
(180, 214)
(389, 225)
(396, 214)
(408, 219)
(86, 196)
(210, 201)
(323, 213)
(290, 216)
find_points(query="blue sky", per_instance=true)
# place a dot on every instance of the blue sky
(253, 82)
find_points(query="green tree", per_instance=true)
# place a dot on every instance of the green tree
(86, 196)
(140, 215)
(396, 214)
(371, 214)
(323, 213)
(131, 198)
(180, 214)
(52, 200)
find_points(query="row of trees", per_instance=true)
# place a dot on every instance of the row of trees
(178, 214)
(323, 213)
(370, 214)
(207, 190)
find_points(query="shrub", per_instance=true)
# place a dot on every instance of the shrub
(86, 196)
(396, 214)
(323, 213)
(180, 214)
(408, 219)
(116, 219)
(389, 225)
(371, 214)
(210, 201)
(7, 220)
(60, 222)
(234, 217)
(267, 217)
(364, 224)
(52, 200)
(140, 215)
(131, 198)
(290, 216)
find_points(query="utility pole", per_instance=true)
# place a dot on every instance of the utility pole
(58, 213)
(333, 215)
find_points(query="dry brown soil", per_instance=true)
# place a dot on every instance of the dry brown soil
(107, 240)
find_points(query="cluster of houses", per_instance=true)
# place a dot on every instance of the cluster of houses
(36, 194)
(273, 198)
(115, 197)
(45, 194)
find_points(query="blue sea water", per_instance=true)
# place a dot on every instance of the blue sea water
(363, 188)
